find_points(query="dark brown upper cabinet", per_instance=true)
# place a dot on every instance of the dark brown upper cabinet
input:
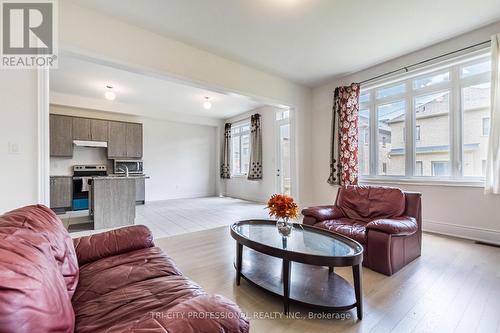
(133, 140)
(81, 129)
(99, 130)
(61, 136)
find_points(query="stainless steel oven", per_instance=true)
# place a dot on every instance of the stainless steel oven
(82, 174)
(134, 167)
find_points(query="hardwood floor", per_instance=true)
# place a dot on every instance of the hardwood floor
(453, 287)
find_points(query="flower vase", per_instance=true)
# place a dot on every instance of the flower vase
(284, 226)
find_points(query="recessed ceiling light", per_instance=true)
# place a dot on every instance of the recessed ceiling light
(109, 94)
(207, 104)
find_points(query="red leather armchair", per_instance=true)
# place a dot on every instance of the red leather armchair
(386, 221)
(116, 281)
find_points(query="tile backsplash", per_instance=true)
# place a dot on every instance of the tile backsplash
(62, 166)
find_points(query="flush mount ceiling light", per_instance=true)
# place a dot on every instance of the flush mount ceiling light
(207, 104)
(109, 94)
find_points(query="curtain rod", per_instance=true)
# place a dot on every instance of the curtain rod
(406, 68)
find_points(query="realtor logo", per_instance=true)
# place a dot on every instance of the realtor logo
(28, 34)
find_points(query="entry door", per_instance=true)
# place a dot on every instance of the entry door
(283, 158)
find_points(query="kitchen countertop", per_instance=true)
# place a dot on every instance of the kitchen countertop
(113, 176)
(121, 177)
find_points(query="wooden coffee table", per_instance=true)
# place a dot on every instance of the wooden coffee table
(266, 261)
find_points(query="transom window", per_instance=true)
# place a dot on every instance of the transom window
(240, 152)
(433, 122)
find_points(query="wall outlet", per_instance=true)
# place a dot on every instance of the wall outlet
(14, 148)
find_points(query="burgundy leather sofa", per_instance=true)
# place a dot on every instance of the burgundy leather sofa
(115, 281)
(386, 221)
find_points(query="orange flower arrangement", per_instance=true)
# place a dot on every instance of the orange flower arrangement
(282, 206)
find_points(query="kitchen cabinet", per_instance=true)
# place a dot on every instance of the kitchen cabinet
(99, 130)
(125, 140)
(61, 192)
(117, 143)
(81, 129)
(61, 136)
(133, 140)
(140, 190)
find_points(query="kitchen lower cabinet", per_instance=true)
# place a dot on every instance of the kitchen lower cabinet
(140, 192)
(61, 192)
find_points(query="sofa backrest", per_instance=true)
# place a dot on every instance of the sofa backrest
(367, 203)
(38, 272)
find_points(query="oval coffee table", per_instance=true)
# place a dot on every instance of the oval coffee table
(267, 260)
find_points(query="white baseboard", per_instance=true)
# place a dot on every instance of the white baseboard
(182, 196)
(247, 198)
(473, 233)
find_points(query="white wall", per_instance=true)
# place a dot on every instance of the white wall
(18, 110)
(179, 158)
(257, 190)
(462, 211)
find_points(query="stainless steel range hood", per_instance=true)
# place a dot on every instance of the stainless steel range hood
(95, 144)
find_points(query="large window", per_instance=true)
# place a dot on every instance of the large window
(240, 152)
(433, 122)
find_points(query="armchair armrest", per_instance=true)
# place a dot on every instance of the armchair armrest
(401, 226)
(113, 242)
(321, 213)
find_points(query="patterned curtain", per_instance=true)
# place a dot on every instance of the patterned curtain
(255, 168)
(225, 167)
(344, 141)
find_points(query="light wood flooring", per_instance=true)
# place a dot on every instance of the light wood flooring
(453, 287)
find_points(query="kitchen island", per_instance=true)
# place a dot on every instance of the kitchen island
(113, 201)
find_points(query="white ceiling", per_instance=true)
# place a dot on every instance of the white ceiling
(307, 41)
(87, 79)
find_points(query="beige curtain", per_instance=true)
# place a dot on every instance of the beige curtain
(255, 166)
(225, 167)
(492, 184)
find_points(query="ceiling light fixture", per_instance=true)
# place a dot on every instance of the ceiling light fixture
(207, 104)
(109, 94)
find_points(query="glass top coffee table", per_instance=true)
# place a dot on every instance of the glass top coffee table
(266, 261)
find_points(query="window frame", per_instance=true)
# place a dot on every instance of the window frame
(239, 126)
(455, 86)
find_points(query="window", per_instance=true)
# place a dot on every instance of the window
(486, 126)
(240, 152)
(282, 114)
(391, 116)
(419, 168)
(364, 141)
(417, 114)
(440, 168)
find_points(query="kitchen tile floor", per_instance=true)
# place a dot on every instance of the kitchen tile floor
(180, 216)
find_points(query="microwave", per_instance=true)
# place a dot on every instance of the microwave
(135, 167)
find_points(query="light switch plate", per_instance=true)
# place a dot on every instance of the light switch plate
(14, 148)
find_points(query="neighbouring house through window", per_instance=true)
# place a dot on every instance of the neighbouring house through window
(486, 126)
(416, 115)
(419, 168)
(240, 152)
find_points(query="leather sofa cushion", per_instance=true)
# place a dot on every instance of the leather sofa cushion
(367, 203)
(42, 221)
(33, 294)
(400, 226)
(113, 242)
(353, 229)
(123, 293)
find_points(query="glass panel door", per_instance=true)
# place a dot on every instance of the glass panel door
(283, 171)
